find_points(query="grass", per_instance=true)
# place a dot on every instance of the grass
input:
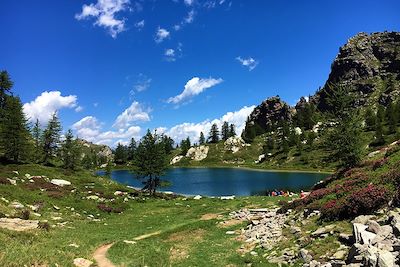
(176, 219)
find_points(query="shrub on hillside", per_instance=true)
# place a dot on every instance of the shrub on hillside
(4, 180)
(290, 205)
(317, 194)
(379, 163)
(44, 226)
(109, 209)
(362, 201)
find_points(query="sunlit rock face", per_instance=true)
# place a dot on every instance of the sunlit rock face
(197, 153)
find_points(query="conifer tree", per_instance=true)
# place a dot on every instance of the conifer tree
(5, 87)
(168, 143)
(150, 161)
(202, 140)
(132, 149)
(369, 119)
(391, 118)
(14, 132)
(185, 145)
(37, 139)
(225, 131)
(70, 152)
(213, 136)
(120, 154)
(232, 131)
(51, 138)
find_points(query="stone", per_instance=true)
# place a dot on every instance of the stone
(227, 197)
(260, 158)
(93, 197)
(234, 144)
(12, 181)
(358, 228)
(16, 224)
(230, 232)
(340, 255)
(130, 242)
(197, 153)
(385, 259)
(81, 262)
(16, 205)
(367, 237)
(305, 255)
(60, 182)
(371, 256)
(73, 245)
(197, 197)
(323, 230)
(363, 219)
(355, 252)
(176, 159)
(373, 227)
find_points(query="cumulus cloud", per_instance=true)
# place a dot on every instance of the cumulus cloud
(250, 62)
(194, 87)
(171, 54)
(143, 83)
(78, 109)
(104, 12)
(134, 113)
(89, 128)
(192, 130)
(139, 25)
(161, 34)
(43, 107)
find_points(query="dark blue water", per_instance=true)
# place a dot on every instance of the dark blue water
(225, 181)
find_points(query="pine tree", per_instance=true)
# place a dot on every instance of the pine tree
(232, 131)
(391, 118)
(120, 154)
(213, 136)
(168, 143)
(132, 149)
(70, 152)
(150, 161)
(37, 139)
(369, 118)
(51, 139)
(344, 139)
(202, 140)
(14, 132)
(225, 131)
(185, 145)
(5, 87)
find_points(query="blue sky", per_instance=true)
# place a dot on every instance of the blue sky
(113, 68)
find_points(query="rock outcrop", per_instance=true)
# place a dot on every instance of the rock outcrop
(176, 159)
(16, 224)
(234, 144)
(369, 64)
(197, 153)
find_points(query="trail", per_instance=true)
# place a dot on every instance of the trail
(100, 255)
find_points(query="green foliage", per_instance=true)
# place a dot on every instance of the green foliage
(14, 133)
(51, 139)
(379, 120)
(70, 152)
(5, 87)
(150, 161)
(251, 131)
(168, 143)
(202, 139)
(232, 131)
(213, 136)
(37, 139)
(185, 145)
(132, 149)
(121, 154)
(225, 131)
(391, 118)
(344, 139)
(370, 118)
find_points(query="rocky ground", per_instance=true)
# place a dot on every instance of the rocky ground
(375, 240)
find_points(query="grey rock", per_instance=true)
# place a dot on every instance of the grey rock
(324, 230)
(385, 259)
(373, 227)
(16, 205)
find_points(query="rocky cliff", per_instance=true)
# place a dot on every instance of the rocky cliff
(369, 65)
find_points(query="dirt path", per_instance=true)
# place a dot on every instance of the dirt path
(100, 255)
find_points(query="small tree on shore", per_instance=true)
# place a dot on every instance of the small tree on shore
(51, 138)
(70, 152)
(213, 136)
(225, 131)
(202, 140)
(150, 161)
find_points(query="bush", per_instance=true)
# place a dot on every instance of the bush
(44, 226)
(25, 214)
(317, 194)
(290, 205)
(379, 163)
(363, 201)
(109, 209)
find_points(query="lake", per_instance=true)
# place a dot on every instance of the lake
(225, 181)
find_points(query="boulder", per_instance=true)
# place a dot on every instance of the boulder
(373, 227)
(60, 182)
(197, 153)
(260, 158)
(385, 259)
(234, 144)
(197, 197)
(81, 262)
(176, 159)
(16, 224)
(356, 253)
(16, 205)
(305, 255)
(371, 256)
(358, 228)
(323, 230)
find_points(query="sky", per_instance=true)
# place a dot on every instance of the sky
(114, 68)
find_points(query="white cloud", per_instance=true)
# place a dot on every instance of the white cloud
(78, 109)
(104, 12)
(136, 112)
(250, 62)
(89, 128)
(161, 34)
(194, 87)
(192, 130)
(43, 107)
(190, 17)
(139, 24)
(143, 83)
(172, 54)
(169, 52)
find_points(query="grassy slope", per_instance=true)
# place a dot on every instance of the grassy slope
(176, 217)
